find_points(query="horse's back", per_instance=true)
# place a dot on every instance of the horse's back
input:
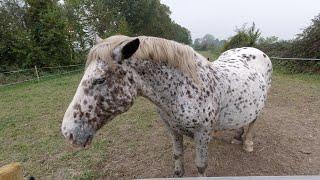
(256, 60)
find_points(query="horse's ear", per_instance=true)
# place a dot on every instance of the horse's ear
(130, 48)
(98, 39)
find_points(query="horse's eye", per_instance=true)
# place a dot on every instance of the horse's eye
(99, 81)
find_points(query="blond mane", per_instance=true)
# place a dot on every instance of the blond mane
(153, 49)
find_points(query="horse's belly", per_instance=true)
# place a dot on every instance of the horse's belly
(242, 105)
(233, 119)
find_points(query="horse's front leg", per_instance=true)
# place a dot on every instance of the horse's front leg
(177, 140)
(178, 153)
(202, 140)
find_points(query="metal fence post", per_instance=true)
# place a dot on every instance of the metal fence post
(35, 67)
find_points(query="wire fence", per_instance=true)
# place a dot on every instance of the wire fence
(39, 73)
(296, 59)
(36, 74)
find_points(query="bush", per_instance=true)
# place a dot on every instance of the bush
(306, 45)
(245, 37)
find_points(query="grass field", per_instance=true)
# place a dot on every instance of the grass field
(212, 55)
(135, 144)
(30, 121)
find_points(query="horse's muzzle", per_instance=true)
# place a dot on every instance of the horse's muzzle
(79, 142)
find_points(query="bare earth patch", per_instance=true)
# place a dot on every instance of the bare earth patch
(136, 144)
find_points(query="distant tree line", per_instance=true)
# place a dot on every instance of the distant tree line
(207, 42)
(305, 45)
(52, 32)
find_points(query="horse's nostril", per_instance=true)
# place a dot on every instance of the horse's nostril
(71, 136)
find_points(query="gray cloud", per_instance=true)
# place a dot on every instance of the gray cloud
(282, 18)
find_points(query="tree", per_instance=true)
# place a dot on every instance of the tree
(245, 37)
(208, 42)
(139, 17)
(307, 43)
(78, 25)
(123, 27)
(180, 34)
(48, 33)
(197, 44)
(14, 40)
(268, 40)
(253, 34)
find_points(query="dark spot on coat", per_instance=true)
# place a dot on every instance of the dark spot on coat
(86, 91)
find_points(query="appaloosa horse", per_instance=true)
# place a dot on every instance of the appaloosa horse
(194, 97)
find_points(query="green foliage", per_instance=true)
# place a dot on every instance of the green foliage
(75, 11)
(245, 37)
(208, 42)
(180, 34)
(308, 42)
(267, 40)
(49, 33)
(14, 42)
(139, 17)
(210, 55)
(124, 27)
(306, 45)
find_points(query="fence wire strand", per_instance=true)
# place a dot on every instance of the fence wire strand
(21, 70)
(296, 59)
(56, 67)
(76, 65)
(41, 77)
(53, 75)
(46, 67)
(10, 84)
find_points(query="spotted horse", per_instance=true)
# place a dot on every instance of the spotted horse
(194, 97)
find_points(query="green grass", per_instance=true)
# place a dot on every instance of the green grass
(306, 77)
(212, 55)
(30, 119)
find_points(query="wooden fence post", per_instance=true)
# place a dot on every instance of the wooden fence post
(35, 67)
(11, 171)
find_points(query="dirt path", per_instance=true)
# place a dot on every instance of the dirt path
(287, 141)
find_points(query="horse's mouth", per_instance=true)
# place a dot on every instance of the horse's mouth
(82, 144)
(87, 142)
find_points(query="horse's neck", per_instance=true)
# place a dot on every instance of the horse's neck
(162, 85)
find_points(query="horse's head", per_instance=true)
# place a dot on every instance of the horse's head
(106, 90)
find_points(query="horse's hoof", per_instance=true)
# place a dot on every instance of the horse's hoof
(178, 169)
(248, 146)
(178, 173)
(236, 141)
(202, 175)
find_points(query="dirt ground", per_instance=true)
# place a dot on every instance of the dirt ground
(287, 142)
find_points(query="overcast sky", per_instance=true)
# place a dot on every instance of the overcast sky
(281, 18)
